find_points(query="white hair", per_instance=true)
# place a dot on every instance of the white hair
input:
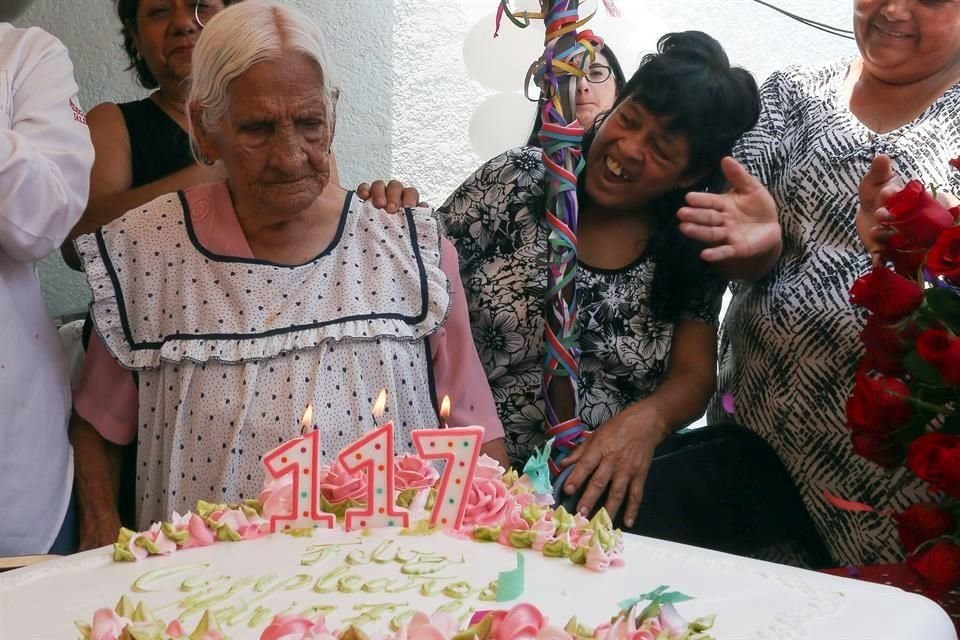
(241, 36)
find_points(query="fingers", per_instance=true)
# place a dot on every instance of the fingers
(709, 235)
(586, 460)
(378, 194)
(618, 491)
(718, 253)
(879, 173)
(595, 488)
(363, 191)
(634, 497)
(573, 457)
(700, 200)
(739, 178)
(406, 196)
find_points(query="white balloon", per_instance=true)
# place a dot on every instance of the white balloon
(502, 121)
(501, 63)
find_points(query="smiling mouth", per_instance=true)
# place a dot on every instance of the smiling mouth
(616, 169)
(892, 33)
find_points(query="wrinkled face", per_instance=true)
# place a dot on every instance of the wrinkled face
(166, 32)
(634, 160)
(274, 139)
(904, 41)
(10, 9)
(594, 95)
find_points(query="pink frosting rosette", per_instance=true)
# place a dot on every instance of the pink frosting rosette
(523, 622)
(199, 534)
(107, 625)
(293, 627)
(488, 468)
(339, 485)
(439, 626)
(513, 521)
(412, 472)
(544, 530)
(488, 502)
(247, 527)
(276, 497)
(154, 541)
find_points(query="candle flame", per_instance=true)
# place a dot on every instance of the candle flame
(445, 409)
(306, 420)
(380, 404)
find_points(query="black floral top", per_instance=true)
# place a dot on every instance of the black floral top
(496, 220)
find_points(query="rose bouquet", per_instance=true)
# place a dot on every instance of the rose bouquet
(904, 406)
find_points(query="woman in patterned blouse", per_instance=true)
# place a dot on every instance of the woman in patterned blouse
(647, 305)
(790, 343)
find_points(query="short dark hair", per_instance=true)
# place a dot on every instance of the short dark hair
(689, 84)
(127, 12)
(533, 140)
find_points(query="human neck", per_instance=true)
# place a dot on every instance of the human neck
(296, 239)
(884, 106)
(173, 102)
(611, 239)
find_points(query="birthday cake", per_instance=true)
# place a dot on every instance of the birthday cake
(509, 567)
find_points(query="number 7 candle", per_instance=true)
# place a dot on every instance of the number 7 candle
(374, 454)
(459, 448)
(300, 458)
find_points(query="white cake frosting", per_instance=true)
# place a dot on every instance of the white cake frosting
(287, 574)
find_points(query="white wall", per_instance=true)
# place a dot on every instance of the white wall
(428, 93)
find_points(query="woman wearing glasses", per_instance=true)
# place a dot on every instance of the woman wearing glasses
(648, 305)
(597, 90)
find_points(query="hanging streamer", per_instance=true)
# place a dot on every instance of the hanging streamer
(566, 54)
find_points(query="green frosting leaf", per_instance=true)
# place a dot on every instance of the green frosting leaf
(520, 539)
(601, 519)
(558, 548)
(487, 534)
(510, 478)
(177, 536)
(338, 509)
(579, 555)
(532, 512)
(479, 631)
(562, 520)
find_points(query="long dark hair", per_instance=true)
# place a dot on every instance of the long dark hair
(619, 80)
(690, 84)
(127, 12)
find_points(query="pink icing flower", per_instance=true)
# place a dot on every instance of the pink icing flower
(512, 522)
(199, 534)
(276, 497)
(293, 627)
(439, 626)
(412, 472)
(338, 485)
(597, 558)
(524, 622)
(175, 629)
(488, 468)
(487, 502)
(164, 545)
(247, 527)
(107, 625)
(544, 530)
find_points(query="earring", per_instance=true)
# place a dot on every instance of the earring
(206, 160)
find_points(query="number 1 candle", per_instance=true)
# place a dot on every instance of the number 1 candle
(300, 458)
(374, 454)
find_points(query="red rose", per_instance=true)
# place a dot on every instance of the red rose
(882, 338)
(879, 405)
(906, 259)
(921, 522)
(943, 259)
(886, 452)
(932, 344)
(935, 457)
(949, 365)
(918, 215)
(889, 295)
(955, 163)
(939, 566)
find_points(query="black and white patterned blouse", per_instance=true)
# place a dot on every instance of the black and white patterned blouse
(789, 346)
(496, 220)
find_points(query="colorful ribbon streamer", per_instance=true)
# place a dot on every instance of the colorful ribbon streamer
(566, 54)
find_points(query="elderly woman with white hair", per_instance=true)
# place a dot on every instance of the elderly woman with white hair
(238, 303)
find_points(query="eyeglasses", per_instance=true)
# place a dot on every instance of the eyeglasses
(594, 74)
(203, 11)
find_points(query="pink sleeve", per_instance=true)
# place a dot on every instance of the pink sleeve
(457, 371)
(106, 396)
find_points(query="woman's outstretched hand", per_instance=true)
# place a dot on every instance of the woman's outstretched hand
(873, 219)
(390, 196)
(617, 454)
(739, 226)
